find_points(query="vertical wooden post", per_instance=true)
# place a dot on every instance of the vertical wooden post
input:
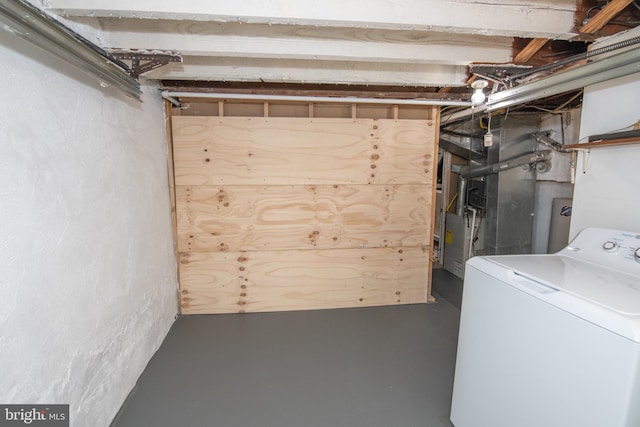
(435, 113)
(168, 113)
(221, 108)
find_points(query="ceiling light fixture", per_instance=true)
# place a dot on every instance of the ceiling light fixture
(478, 96)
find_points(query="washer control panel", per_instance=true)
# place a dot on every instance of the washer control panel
(612, 248)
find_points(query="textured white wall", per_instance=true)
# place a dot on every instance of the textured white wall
(87, 271)
(606, 191)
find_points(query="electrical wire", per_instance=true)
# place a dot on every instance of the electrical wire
(451, 202)
(591, 9)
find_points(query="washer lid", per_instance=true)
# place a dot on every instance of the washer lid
(611, 289)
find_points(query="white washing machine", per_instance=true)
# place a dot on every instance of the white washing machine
(552, 340)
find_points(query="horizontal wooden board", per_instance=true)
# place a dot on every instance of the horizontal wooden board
(235, 218)
(238, 282)
(285, 151)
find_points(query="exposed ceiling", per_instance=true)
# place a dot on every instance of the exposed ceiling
(382, 48)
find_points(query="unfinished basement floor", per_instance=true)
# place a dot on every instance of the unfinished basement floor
(373, 367)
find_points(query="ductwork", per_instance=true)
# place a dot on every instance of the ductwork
(467, 172)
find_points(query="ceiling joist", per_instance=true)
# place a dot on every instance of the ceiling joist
(377, 42)
(606, 14)
(303, 42)
(534, 18)
(531, 49)
(429, 45)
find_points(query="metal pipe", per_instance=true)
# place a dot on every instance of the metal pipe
(545, 138)
(462, 196)
(36, 27)
(325, 99)
(618, 65)
(538, 156)
(473, 226)
(575, 58)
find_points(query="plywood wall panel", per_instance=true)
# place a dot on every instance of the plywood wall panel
(303, 213)
(297, 280)
(285, 151)
(234, 218)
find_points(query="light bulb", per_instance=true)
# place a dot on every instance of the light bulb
(478, 97)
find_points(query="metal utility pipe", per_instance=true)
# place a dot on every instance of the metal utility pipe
(36, 27)
(618, 65)
(538, 156)
(462, 191)
(575, 58)
(473, 226)
(545, 138)
(171, 96)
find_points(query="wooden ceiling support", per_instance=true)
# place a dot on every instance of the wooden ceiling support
(531, 49)
(301, 89)
(604, 16)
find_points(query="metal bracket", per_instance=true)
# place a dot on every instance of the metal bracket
(545, 138)
(496, 72)
(145, 61)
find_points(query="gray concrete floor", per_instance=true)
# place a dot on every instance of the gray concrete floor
(373, 367)
(448, 286)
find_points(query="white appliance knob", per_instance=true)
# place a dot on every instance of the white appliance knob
(636, 255)
(609, 246)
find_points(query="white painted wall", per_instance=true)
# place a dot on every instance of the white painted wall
(87, 271)
(606, 192)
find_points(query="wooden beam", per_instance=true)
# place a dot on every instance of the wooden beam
(531, 49)
(534, 18)
(471, 79)
(298, 89)
(310, 43)
(604, 16)
(302, 71)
